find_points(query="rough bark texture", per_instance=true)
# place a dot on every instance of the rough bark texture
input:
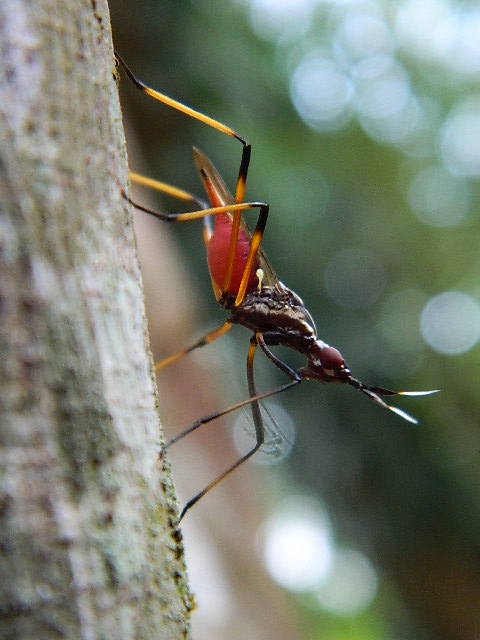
(87, 543)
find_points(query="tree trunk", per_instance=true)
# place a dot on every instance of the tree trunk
(88, 546)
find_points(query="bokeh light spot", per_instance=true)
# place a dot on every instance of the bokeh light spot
(438, 198)
(425, 29)
(450, 322)
(296, 544)
(321, 93)
(351, 585)
(281, 20)
(362, 36)
(460, 140)
(467, 50)
(386, 106)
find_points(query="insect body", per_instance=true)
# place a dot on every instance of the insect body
(275, 314)
(245, 284)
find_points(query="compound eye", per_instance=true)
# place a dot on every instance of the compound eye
(331, 359)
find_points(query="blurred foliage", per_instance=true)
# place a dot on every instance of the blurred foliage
(407, 497)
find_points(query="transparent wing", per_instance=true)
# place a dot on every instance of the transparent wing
(280, 431)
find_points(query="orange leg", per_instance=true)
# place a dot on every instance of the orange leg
(253, 400)
(215, 124)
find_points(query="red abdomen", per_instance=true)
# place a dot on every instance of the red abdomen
(217, 256)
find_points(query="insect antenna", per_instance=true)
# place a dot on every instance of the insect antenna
(375, 393)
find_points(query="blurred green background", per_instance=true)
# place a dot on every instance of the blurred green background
(364, 119)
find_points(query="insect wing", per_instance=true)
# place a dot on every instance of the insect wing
(279, 428)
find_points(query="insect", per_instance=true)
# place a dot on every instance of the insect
(245, 284)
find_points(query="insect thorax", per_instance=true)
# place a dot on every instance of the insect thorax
(279, 314)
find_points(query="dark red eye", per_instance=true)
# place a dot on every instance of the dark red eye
(331, 359)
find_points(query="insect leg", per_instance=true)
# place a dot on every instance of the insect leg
(259, 433)
(219, 195)
(204, 212)
(183, 108)
(296, 378)
(197, 115)
(254, 246)
(237, 216)
(215, 124)
(207, 339)
(257, 420)
(163, 187)
(195, 215)
(212, 211)
(218, 414)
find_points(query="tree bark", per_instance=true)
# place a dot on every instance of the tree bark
(88, 545)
